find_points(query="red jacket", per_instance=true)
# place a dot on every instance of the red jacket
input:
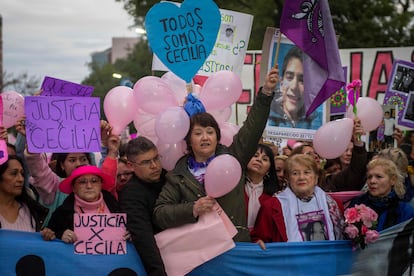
(270, 224)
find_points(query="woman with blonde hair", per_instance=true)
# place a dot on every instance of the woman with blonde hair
(385, 193)
(398, 156)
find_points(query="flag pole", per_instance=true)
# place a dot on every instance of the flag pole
(279, 35)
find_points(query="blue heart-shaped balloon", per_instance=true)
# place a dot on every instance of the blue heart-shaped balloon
(183, 37)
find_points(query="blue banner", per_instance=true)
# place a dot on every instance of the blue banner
(22, 252)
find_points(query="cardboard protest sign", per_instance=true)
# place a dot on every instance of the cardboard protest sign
(288, 95)
(13, 108)
(62, 124)
(56, 87)
(99, 233)
(183, 36)
(230, 47)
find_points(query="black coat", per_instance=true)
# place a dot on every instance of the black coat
(62, 217)
(137, 200)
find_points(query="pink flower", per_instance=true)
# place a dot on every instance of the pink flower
(368, 216)
(355, 85)
(364, 229)
(371, 236)
(352, 231)
(353, 91)
(352, 215)
(360, 224)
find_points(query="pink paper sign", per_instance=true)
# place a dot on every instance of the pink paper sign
(63, 124)
(3, 146)
(56, 87)
(100, 234)
(188, 246)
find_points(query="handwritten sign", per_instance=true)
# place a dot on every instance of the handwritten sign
(230, 47)
(62, 124)
(56, 87)
(13, 108)
(183, 37)
(100, 234)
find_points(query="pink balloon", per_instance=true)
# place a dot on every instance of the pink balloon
(222, 89)
(172, 125)
(13, 107)
(222, 175)
(228, 130)
(221, 115)
(145, 123)
(369, 111)
(119, 108)
(332, 139)
(153, 95)
(177, 85)
(171, 153)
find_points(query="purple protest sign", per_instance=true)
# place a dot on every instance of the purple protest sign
(56, 87)
(62, 124)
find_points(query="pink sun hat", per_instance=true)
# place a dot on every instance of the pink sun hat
(108, 182)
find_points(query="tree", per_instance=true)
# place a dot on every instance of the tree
(23, 83)
(373, 23)
(134, 67)
(368, 23)
(265, 14)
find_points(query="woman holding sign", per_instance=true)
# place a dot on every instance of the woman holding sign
(47, 176)
(87, 188)
(183, 198)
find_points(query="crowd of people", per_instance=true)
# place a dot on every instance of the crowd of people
(282, 196)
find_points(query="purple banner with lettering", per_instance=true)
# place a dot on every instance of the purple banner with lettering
(56, 87)
(62, 124)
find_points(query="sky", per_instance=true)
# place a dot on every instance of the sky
(56, 38)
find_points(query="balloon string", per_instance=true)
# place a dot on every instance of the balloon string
(189, 87)
(355, 104)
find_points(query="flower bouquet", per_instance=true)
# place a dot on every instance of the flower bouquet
(360, 224)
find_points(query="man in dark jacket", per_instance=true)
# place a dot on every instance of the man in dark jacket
(137, 199)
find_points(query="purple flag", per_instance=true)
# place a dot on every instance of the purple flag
(308, 24)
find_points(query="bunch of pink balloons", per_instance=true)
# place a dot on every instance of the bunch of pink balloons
(154, 105)
(220, 91)
(369, 111)
(332, 139)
